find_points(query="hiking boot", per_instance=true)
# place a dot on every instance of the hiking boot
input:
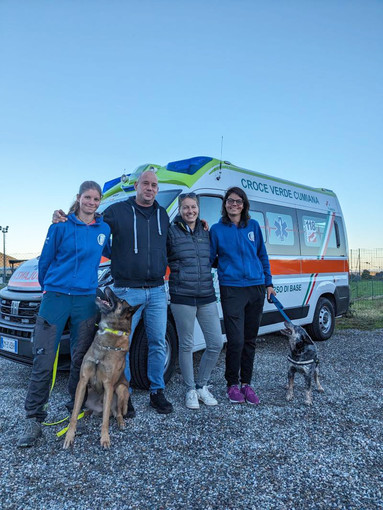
(249, 394)
(191, 400)
(235, 395)
(31, 433)
(206, 397)
(131, 413)
(159, 402)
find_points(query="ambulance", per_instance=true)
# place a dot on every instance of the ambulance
(304, 233)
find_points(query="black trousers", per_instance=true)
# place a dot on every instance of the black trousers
(87, 331)
(242, 312)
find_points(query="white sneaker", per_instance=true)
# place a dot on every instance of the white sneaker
(191, 400)
(206, 397)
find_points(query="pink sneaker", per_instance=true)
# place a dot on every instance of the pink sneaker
(250, 395)
(234, 395)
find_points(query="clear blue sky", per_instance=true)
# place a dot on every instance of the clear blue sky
(90, 88)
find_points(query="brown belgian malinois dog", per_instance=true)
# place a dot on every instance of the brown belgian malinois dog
(102, 369)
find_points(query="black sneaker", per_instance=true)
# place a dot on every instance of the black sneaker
(131, 412)
(31, 434)
(159, 402)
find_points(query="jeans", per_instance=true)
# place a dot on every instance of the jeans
(242, 312)
(154, 311)
(208, 319)
(55, 310)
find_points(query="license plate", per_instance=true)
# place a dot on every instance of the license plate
(9, 344)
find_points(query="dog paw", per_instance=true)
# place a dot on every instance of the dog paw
(68, 442)
(320, 389)
(308, 402)
(121, 423)
(105, 442)
(289, 397)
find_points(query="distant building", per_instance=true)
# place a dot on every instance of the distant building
(11, 263)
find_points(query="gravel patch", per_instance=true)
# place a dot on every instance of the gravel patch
(278, 455)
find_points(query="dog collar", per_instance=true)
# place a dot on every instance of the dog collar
(114, 332)
(306, 362)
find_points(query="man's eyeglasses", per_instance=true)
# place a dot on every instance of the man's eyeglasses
(232, 201)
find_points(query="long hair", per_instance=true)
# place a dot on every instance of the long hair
(85, 186)
(245, 216)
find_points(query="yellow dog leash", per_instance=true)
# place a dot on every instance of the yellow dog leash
(54, 373)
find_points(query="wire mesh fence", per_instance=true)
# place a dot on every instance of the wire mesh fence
(366, 274)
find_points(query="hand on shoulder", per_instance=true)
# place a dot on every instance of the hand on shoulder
(205, 224)
(59, 216)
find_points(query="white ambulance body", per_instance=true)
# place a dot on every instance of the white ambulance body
(305, 237)
(303, 229)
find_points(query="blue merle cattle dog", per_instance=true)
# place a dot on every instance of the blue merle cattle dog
(303, 358)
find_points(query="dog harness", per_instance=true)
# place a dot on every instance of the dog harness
(294, 362)
(305, 362)
(107, 348)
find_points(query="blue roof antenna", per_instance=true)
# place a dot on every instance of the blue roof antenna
(188, 166)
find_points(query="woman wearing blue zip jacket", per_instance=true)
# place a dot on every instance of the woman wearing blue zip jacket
(192, 297)
(68, 276)
(244, 277)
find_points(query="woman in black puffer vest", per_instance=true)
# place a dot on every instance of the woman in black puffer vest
(192, 296)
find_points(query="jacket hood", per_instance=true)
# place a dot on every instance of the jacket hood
(133, 205)
(132, 201)
(241, 223)
(73, 218)
(182, 224)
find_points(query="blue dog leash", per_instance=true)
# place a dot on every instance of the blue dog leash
(280, 307)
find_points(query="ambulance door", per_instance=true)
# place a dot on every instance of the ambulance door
(280, 230)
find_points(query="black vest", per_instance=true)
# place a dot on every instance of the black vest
(189, 261)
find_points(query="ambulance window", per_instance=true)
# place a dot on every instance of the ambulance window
(340, 238)
(321, 234)
(165, 198)
(317, 229)
(210, 208)
(280, 227)
(258, 216)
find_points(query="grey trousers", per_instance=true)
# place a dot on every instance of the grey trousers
(208, 319)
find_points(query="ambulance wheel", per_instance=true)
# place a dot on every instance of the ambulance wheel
(323, 323)
(139, 356)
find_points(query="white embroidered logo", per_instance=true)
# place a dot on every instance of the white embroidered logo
(250, 235)
(101, 239)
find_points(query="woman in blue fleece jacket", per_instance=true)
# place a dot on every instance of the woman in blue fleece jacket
(244, 278)
(68, 270)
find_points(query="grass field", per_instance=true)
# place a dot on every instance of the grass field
(366, 289)
(366, 310)
(364, 314)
